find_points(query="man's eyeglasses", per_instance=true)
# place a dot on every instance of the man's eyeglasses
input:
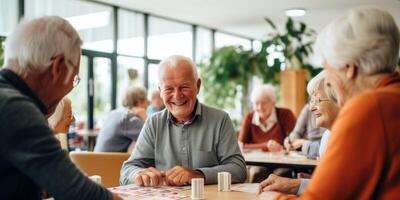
(76, 80)
(317, 100)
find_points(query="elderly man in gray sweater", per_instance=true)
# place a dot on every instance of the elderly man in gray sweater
(188, 139)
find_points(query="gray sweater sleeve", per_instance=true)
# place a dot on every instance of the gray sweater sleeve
(300, 130)
(143, 155)
(29, 145)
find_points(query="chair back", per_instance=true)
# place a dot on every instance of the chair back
(105, 164)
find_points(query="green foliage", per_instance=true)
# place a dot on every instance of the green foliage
(230, 68)
(2, 39)
(295, 42)
(227, 75)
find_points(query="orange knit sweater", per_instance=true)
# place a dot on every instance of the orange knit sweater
(362, 160)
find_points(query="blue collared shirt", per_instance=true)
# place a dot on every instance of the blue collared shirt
(207, 143)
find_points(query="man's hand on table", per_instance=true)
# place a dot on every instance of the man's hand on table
(178, 176)
(149, 177)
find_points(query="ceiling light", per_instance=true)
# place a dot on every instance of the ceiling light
(295, 12)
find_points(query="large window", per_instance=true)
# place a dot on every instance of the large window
(130, 33)
(222, 39)
(93, 21)
(203, 44)
(130, 72)
(8, 18)
(153, 75)
(167, 38)
(79, 95)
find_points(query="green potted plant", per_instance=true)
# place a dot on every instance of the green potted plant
(295, 45)
(226, 76)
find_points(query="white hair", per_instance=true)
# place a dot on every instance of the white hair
(263, 91)
(173, 61)
(366, 37)
(32, 45)
(317, 83)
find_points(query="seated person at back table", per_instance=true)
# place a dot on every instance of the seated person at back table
(122, 126)
(42, 59)
(156, 103)
(324, 105)
(266, 127)
(187, 139)
(305, 135)
(60, 120)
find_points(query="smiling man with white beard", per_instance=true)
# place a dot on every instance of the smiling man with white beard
(188, 139)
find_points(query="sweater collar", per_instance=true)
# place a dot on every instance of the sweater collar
(21, 86)
(390, 79)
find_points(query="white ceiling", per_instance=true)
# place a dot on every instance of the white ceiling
(246, 17)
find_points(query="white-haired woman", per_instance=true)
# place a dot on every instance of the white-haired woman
(324, 105)
(265, 128)
(122, 126)
(360, 52)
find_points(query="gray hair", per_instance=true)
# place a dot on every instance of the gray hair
(263, 91)
(133, 96)
(173, 61)
(366, 37)
(33, 44)
(316, 83)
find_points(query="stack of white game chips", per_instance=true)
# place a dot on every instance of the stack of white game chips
(197, 188)
(224, 181)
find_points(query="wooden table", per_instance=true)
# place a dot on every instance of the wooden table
(90, 136)
(211, 192)
(279, 159)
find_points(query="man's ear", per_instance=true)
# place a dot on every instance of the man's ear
(56, 68)
(351, 71)
(198, 85)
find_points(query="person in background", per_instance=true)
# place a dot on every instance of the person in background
(121, 127)
(187, 139)
(42, 59)
(324, 106)
(360, 51)
(156, 103)
(60, 121)
(265, 128)
(305, 135)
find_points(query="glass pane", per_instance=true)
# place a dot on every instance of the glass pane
(126, 68)
(8, 16)
(203, 44)
(102, 88)
(130, 33)
(222, 39)
(93, 21)
(167, 38)
(153, 75)
(79, 95)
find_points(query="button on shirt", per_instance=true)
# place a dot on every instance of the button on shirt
(206, 143)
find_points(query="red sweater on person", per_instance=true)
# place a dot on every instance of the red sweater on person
(251, 134)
